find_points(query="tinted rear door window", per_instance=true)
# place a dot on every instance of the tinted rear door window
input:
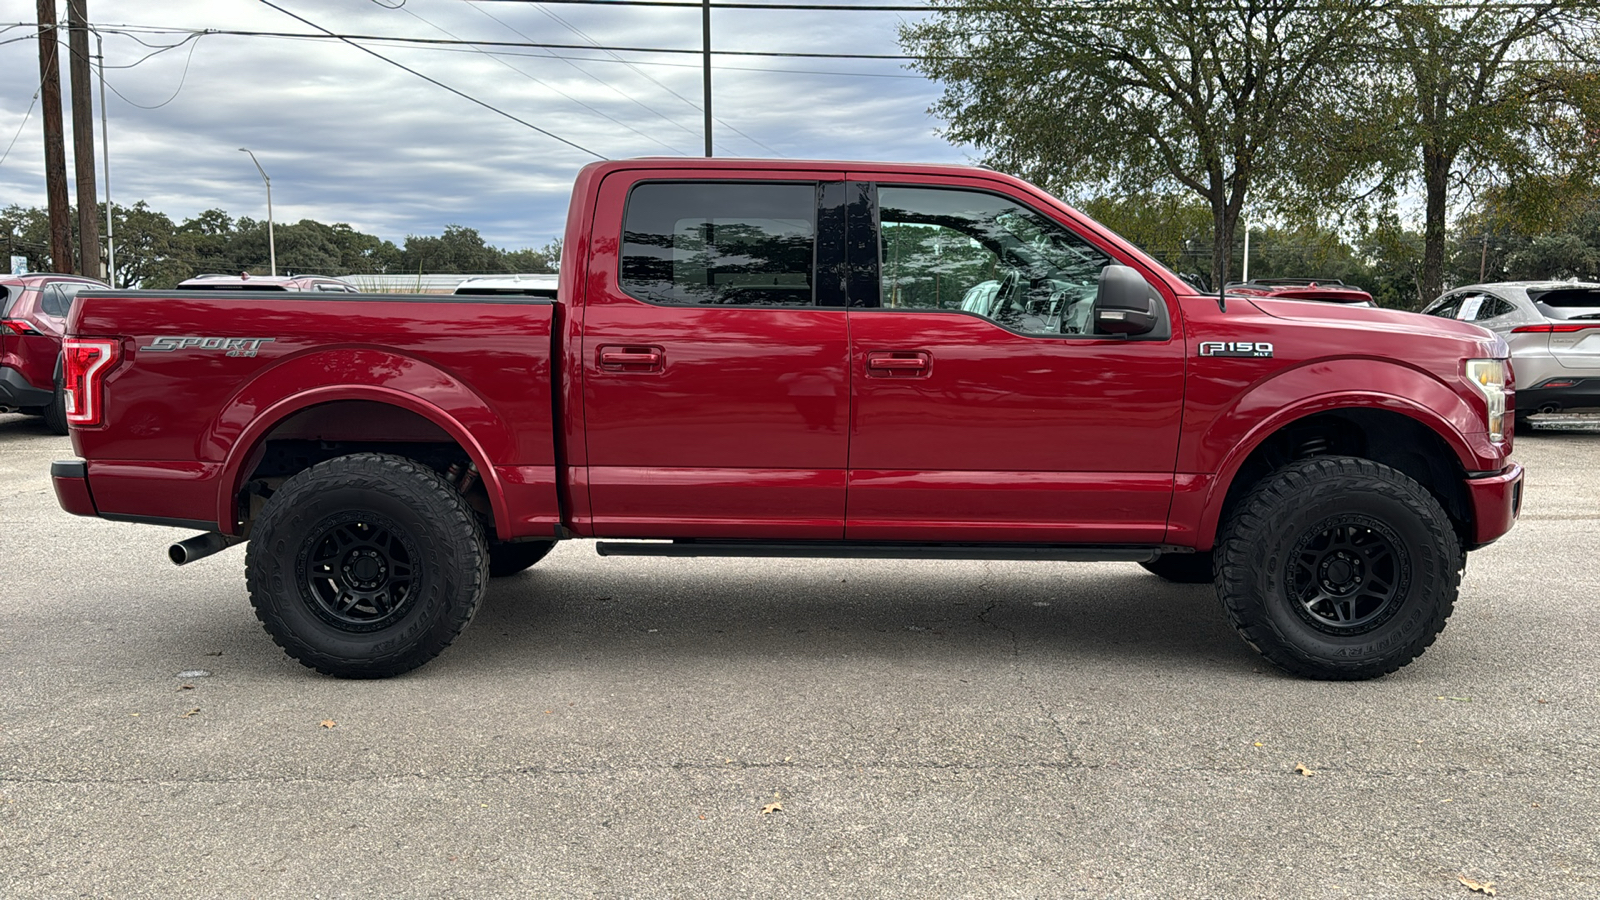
(721, 244)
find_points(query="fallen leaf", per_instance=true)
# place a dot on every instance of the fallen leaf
(1300, 769)
(186, 687)
(1259, 744)
(1544, 701)
(1486, 887)
(192, 712)
(329, 723)
(770, 808)
(213, 652)
(549, 712)
(702, 818)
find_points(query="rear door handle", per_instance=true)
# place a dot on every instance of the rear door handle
(631, 359)
(899, 363)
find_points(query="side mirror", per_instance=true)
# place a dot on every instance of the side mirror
(1125, 303)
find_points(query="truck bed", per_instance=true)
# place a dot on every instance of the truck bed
(210, 388)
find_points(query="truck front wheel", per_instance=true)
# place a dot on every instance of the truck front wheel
(1338, 568)
(366, 566)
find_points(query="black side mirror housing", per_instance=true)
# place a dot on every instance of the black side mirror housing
(1125, 303)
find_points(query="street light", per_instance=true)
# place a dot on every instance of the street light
(272, 246)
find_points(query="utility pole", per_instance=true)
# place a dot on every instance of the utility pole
(105, 159)
(55, 151)
(705, 60)
(83, 138)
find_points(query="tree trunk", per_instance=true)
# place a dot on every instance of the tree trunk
(1224, 222)
(1436, 179)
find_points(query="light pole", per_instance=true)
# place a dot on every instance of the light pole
(272, 246)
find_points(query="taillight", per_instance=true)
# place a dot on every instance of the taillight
(17, 326)
(86, 363)
(1552, 329)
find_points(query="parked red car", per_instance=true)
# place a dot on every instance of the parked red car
(33, 314)
(1328, 290)
(822, 359)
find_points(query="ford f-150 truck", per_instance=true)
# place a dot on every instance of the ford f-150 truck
(821, 359)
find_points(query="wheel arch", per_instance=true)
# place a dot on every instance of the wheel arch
(364, 409)
(1394, 431)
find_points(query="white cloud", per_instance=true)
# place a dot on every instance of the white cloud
(349, 138)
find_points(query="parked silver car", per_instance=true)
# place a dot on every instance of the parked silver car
(1553, 328)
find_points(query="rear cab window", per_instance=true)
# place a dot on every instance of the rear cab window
(720, 244)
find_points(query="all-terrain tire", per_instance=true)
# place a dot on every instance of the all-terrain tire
(506, 558)
(1183, 568)
(366, 566)
(55, 413)
(1338, 568)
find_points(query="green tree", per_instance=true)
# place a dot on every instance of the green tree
(1174, 228)
(1478, 94)
(148, 252)
(1217, 99)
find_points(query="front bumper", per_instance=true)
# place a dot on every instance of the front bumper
(1496, 503)
(16, 391)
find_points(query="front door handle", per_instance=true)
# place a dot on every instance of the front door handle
(615, 358)
(899, 363)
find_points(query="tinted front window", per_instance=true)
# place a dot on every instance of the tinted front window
(1445, 308)
(985, 254)
(724, 244)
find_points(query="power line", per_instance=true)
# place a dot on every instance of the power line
(434, 81)
(535, 79)
(395, 39)
(24, 124)
(181, 79)
(572, 62)
(581, 33)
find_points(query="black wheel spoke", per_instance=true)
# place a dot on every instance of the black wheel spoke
(359, 572)
(1344, 576)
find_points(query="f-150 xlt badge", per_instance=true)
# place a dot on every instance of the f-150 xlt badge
(234, 346)
(1247, 349)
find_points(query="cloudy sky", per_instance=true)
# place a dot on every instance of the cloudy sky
(347, 137)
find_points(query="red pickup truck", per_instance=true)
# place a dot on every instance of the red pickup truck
(821, 359)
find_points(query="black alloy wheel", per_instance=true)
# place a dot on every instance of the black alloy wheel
(366, 566)
(359, 569)
(1348, 576)
(1338, 568)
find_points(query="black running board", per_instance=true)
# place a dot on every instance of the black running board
(866, 550)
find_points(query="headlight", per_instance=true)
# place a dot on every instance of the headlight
(1489, 377)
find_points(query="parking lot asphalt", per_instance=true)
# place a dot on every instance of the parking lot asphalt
(816, 728)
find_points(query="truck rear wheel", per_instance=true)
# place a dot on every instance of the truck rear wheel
(1338, 568)
(506, 558)
(1183, 568)
(366, 566)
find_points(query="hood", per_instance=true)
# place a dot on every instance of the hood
(1375, 316)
